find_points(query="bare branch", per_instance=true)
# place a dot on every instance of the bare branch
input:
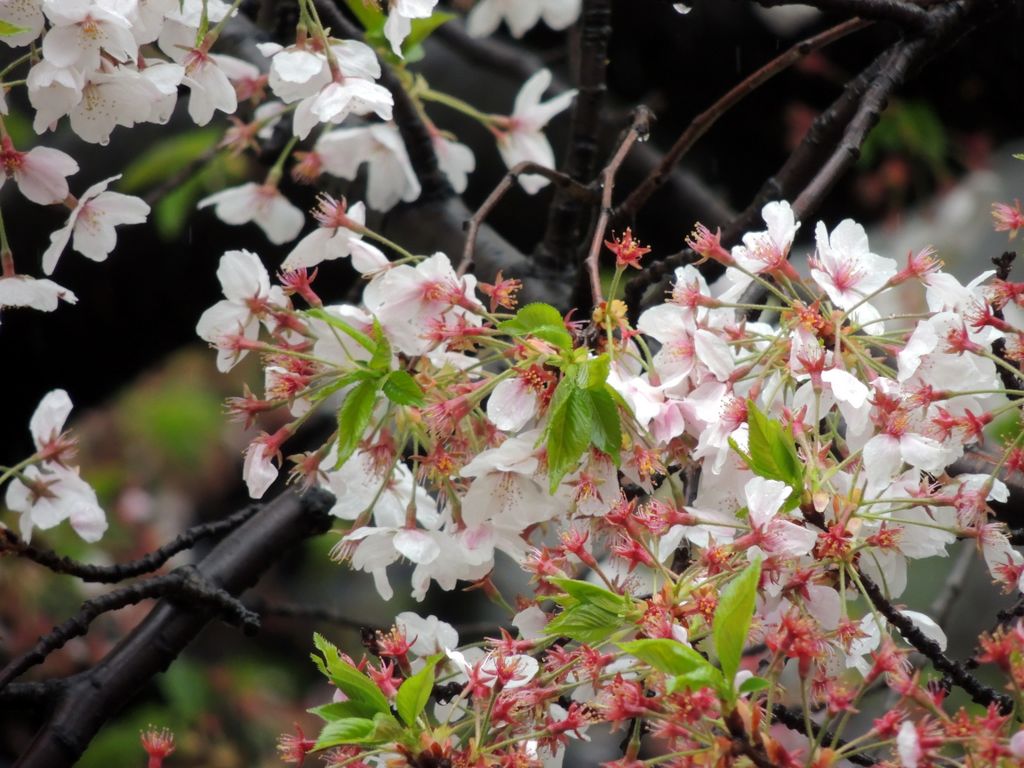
(897, 11)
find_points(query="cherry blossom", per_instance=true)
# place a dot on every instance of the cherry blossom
(400, 15)
(455, 160)
(248, 296)
(81, 29)
(844, 266)
(41, 294)
(428, 635)
(769, 250)
(262, 204)
(521, 15)
(91, 226)
(523, 139)
(54, 496)
(390, 176)
(25, 14)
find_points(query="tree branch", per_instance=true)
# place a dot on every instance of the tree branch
(11, 542)
(897, 11)
(567, 212)
(957, 672)
(234, 565)
(703, 122)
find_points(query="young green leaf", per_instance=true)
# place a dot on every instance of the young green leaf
(772, 452)
(354, 417)
(606, 428)
(570, 424)
(753, 685)
(8, 30)
(348, 730)
(585, 624)
(668, 656)
(369, 15)
(336, 322)
(363, 694)
(540, 320)
(731, 622)
(380, 360)
(422, 29)
(583, 592)
(414, 693)
(401, 388)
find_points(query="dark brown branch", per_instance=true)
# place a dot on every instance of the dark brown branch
(567, 214)
(234, 565)
(795, 721)
(957, 672)
(637, 131)
(183, 584)
(11, 542)
(311, 612)
(703, 122)
(897, 11)
(573, 191)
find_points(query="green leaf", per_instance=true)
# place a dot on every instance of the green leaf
(731, 622)
(570, 424)
(336, 322)
(585, 593)
(596, 371)
(348, 730)
(668, 656)
(354, 417)
(424, 28)
(368, 14)
(606, 428)
(585, 624)
(414, 693)
(363, 694)
(336, 710)
(753, 685)
(7, 29)
(381, 358)
(164, 158)
(1019, 156)
(540, 320)
(772, 452)
(702, 677)
(401, 388)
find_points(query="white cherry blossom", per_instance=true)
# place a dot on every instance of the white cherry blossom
(523, 139)
(390, 176)
(399, 23)
(41, 173)
(428, 635)
(521, 15)
(26, 14)
(66, 497)
(455, 160)
(247, 296)
(844, 266)
(41, 294)
(81, 29)
(262, 204)
(769, 250)
(91, 226)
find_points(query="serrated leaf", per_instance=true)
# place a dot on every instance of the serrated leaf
(585, 593)
(540, 320)
(772, 452)
(665, 655)
(354, 417)
(585, 624)
(731, 623)
(570, 424)
(606, 428)
(336, 322)
(401, 388)
(414, 693)
(347, 730)
(597, 370)
(380, 360)
(363, 694)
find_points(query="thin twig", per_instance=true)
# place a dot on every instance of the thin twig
(638, 130)
(703, 122)
(11, 542)
(473, 224)
(956, 672)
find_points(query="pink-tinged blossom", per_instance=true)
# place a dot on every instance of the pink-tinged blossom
(768, 251)
(428, 635)
(389, 177)
(512, 404)
(362, 484)
(92, 223)
(652, 406)
(455, 160)
(41, 294)
(247, 297)
(506, 486)
(25, 14)
(81, 29)
(523, 138)
(770, 533)
(845, 268)
(53, 496)
(48, 419)
(1007, 218)
(400, 16)
(121, 96)
(335, 238)
(258, 470)
(262, 204)
(41, 173)
(897, 443)
(521, 15)
(209, 86)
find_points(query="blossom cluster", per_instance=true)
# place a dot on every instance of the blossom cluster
(657, 461)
